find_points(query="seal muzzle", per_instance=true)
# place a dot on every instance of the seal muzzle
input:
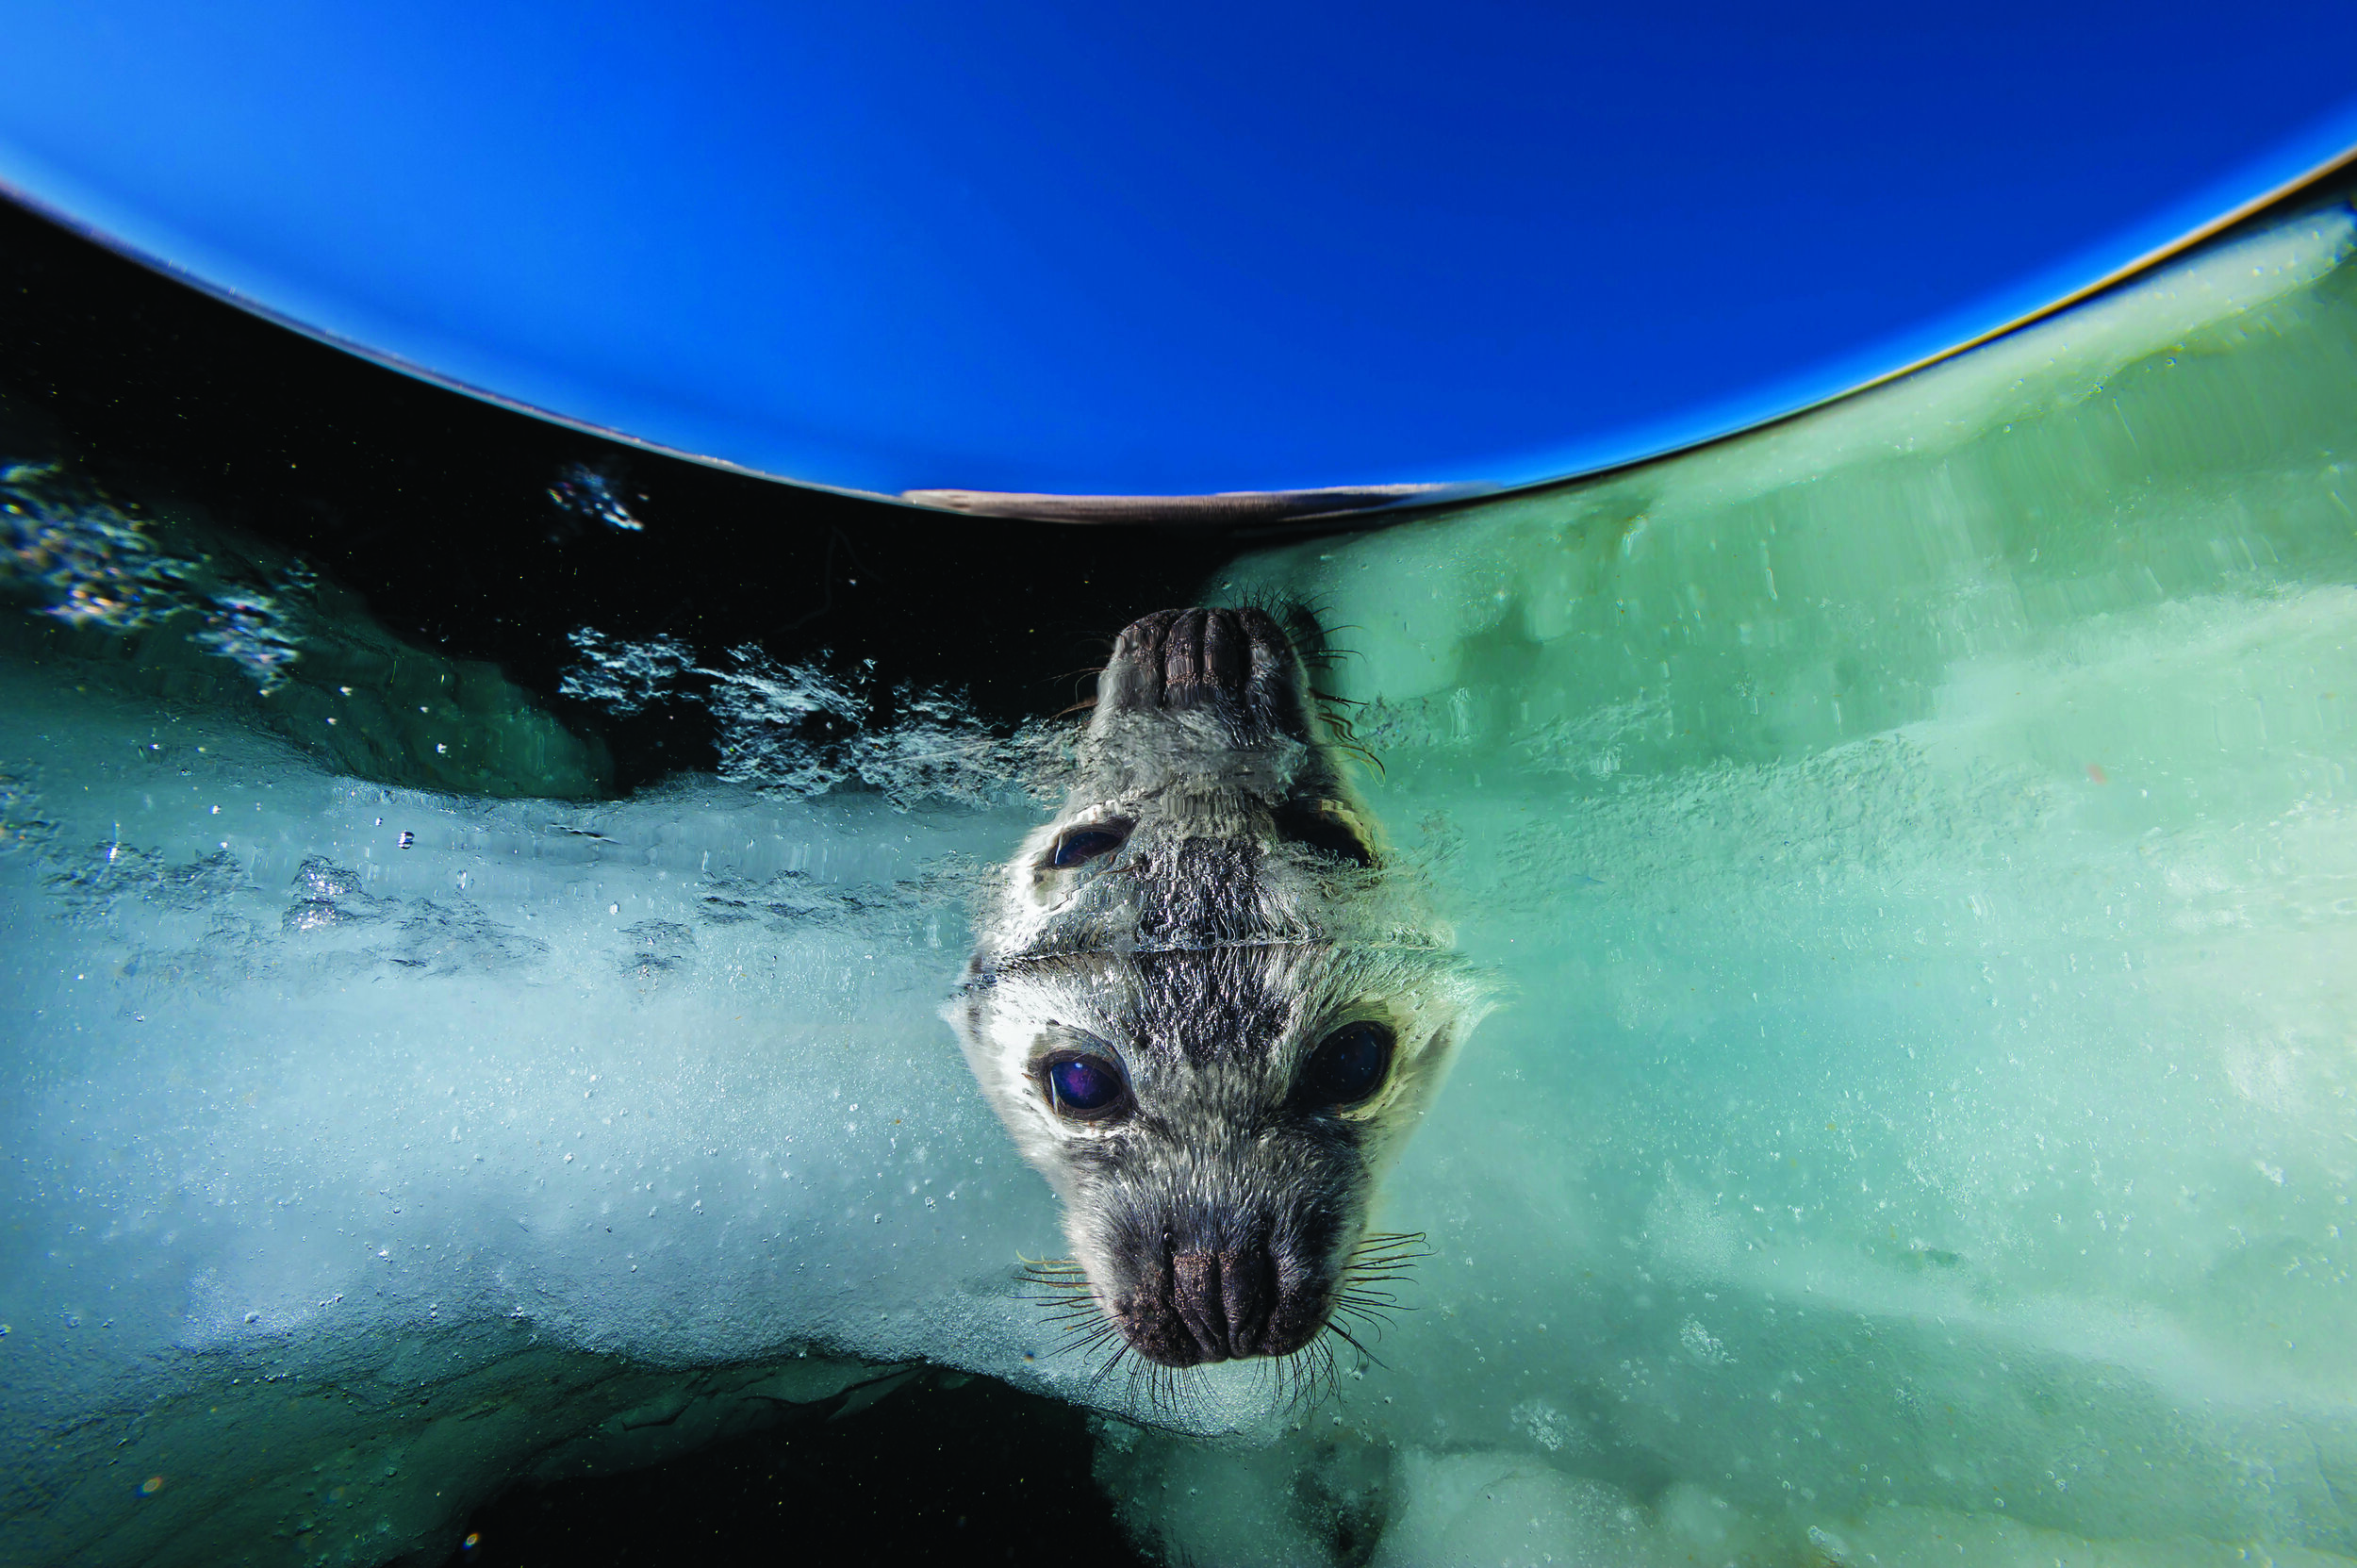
(1237, 664)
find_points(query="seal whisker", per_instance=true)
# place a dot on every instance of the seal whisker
(1120, 1353)
(1324, 1367)
(1390, 1240)
(1347, 1338)
(1286, 1381)
(1318, 1370)
(1373, 1300)
(1056, 1281)
(1088, 1343)
(1057, 1303)
(1058, 1277)
(1369, 1308)
(1059, 1265)
(1173, 1394)
(1080, 1325)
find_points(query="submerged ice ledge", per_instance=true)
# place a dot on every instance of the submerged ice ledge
(347, 1120)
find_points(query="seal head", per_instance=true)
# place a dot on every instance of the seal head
(1205, 1004)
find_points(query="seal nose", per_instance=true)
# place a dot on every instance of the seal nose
(1239, 661)
(1225, 1298)
(1206, 655)
(1219, 1303)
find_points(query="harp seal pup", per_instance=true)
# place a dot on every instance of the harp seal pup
(1207, 1007)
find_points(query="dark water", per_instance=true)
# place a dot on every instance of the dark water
(436, 511)
(433, 514)
(949, 1470)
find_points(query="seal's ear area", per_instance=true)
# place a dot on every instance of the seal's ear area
(1454, 1000)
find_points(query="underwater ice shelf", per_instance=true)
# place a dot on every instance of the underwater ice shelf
(1918, 843)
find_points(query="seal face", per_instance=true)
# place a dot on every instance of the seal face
(1204, 1005)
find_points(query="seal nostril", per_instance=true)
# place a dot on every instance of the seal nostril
(1149, 1314)
(1239, 661)
(1226, 1299)
(1206, 653)
(1196, 1295)
(1227, 652)
(1182, 657)
(1248, 1285)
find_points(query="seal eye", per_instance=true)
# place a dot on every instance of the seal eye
(1082, 845)
(1348, 1066)
(1085, 1088)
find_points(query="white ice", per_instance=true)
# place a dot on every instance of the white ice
(363, 1145)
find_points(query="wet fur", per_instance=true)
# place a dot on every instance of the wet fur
(1212, 952)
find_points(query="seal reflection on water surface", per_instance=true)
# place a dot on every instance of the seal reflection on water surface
(1206, 1007)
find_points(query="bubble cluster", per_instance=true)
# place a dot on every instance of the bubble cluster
(804, 729)
(88, 561)
(594, 491)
